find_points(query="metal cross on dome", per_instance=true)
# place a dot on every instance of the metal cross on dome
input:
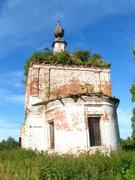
(58, 22)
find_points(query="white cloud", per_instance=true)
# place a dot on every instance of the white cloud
(12, 79)
(8, 97)
(10, 82)
(10, 85)
(15, 99)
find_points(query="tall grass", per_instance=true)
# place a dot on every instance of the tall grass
(20, 164)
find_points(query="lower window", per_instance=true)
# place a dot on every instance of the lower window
(51, 135)
(94, 131)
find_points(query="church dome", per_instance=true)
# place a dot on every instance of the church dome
(59, 32)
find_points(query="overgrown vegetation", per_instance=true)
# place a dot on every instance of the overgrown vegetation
(20, 164)
(127, 144)
(10, 143)
(79, 58)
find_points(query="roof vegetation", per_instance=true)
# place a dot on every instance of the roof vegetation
(79, 58)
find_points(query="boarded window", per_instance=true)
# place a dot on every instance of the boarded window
(51, 134)
(94, 131)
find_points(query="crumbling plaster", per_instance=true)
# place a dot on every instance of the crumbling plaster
(45, 85)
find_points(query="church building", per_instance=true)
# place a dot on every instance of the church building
(69, 108)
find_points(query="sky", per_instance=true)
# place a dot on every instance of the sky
(107, 27)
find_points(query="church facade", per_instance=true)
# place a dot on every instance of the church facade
(69, 109)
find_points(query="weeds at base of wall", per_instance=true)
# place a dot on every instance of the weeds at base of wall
(21, 164)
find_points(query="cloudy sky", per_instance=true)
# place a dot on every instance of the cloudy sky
(107, 27)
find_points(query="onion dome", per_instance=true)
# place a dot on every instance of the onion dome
(59, 45)
(59, 32)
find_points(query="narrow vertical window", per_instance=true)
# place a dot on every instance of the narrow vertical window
(94, 131)
(51, 134)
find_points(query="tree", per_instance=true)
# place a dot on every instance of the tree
(9, 143)
(132, 90)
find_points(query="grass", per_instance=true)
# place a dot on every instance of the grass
(19, 164)
(78, 58)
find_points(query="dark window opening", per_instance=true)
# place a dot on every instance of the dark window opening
(51, 134)
(94, 131)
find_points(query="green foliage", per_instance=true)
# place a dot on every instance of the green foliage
(48, 55)
(127, 144)
(82, 55)
(120, 165)
(62, 58)
(95, 62)
(38, 56)
(132, 90)
(133, 51)
(10, 143)
(79, 57)
(25, 164)
(133, 125)
(19, 164)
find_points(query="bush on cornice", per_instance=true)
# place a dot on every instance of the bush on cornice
(79, 58)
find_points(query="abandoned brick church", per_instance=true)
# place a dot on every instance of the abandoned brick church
(69, 108)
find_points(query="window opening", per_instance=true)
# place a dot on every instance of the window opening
(94, 131)
(51, 134)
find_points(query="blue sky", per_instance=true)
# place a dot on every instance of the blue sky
(107, 27)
